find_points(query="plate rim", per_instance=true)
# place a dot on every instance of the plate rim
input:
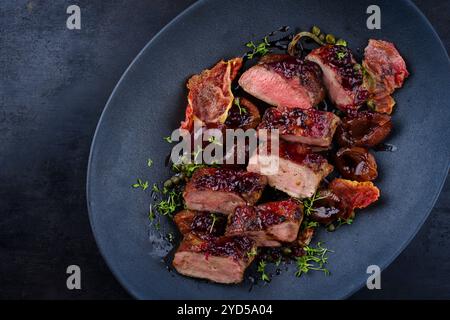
(388, 261)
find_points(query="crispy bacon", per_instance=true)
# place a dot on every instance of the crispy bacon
(354, 194)
(341, 198)
(385, 72)
(210, 95)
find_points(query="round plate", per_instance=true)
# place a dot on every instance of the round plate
(149, 102)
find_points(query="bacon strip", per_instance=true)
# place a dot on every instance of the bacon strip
(210, 95)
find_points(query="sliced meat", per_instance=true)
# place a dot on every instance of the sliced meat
(222, 190)
(342, 76)
(295, 170)
(284, 81)
(268, 224)
(210, 95)
(386, 71)
(219, 259)
(201, 222)
(245, 116)
(311, 126)
(341, 198)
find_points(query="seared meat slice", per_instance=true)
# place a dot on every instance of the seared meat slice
(311, 126)
(245, 116)
(200, 222)
(219, 259)
(386, 71)
(284, 81)
(269, 223)
(210, 95)
(342, 76)
(341, 198)
(222, 190)
(299, 170)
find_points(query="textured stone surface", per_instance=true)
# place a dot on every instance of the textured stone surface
(55, 83)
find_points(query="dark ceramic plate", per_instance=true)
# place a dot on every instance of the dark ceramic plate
(149, 102)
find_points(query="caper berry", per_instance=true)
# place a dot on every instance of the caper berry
(330, 39)
(315, 30)
(168, 183)
(341, 42)
(175, 180)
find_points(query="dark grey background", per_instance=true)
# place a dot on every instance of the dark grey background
(55, 83)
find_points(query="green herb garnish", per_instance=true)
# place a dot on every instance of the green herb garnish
(149, 162)
(262, 269)
(314, 259)
(214, 140)
(252, 253)
(214, 219)
(260, 49)
(169, 205)
(141, 184)
(309, 224)
(151, 214)
(237, 102)
(308, 203)
(341, 55)
(168, 139)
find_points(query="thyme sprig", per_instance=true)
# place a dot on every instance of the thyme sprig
(314, 259)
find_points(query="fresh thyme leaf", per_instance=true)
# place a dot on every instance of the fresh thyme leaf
(262, 270)
(149, 162)
(341, 54)
(188, 168)
(278, 262)
(170, 204)
(197, 153)
(341, 222)
(252, 253)
(155, 188)
(309, 224)
(237, 102)
(151, 214)
(140, 184)
(214, 219)
(308, 203)
(170, 237)
(314, 259)
(260, 49)
(213, 140)
(168, 139)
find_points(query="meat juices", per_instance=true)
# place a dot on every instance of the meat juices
(311, 126)
(220, 259)
(284, 81)
(269, 224)
(342, 76)
(300, 170)
(222, 190)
